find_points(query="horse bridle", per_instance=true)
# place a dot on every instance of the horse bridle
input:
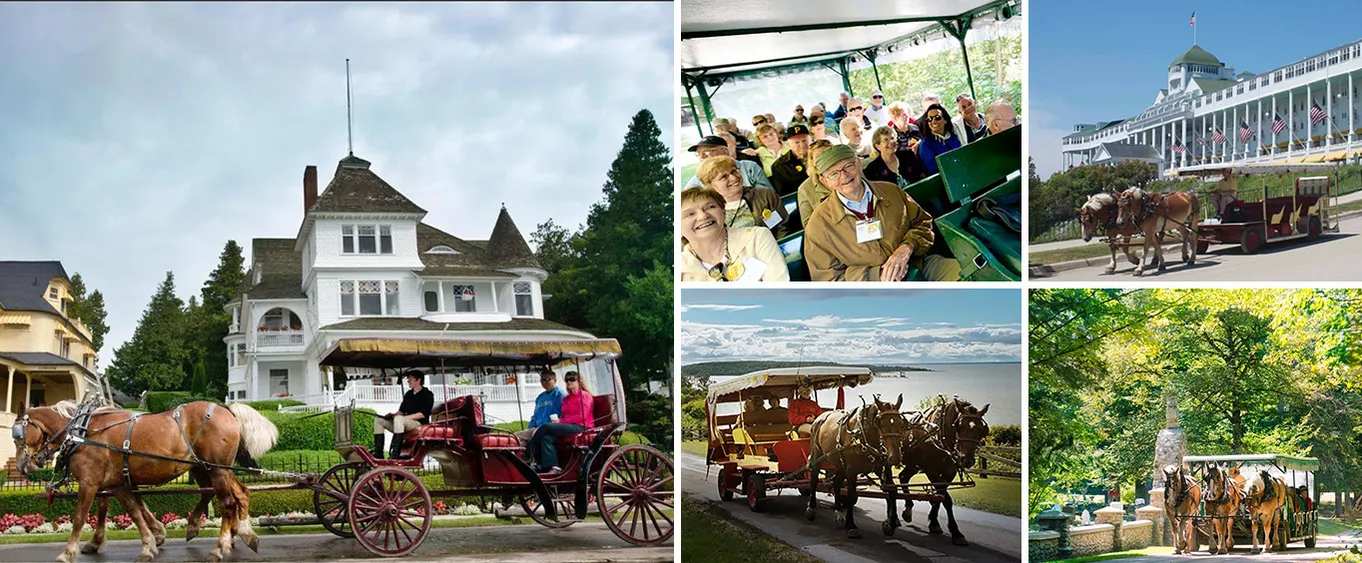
(20, 434)
(1224, 488)
(1178, 493)
(960, 417)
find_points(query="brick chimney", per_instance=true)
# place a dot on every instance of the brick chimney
(309, 187)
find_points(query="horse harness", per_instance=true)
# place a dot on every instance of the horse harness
(1178, 494)
(1225, 492)
(77, 432)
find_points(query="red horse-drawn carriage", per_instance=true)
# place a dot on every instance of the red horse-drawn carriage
(384, 505)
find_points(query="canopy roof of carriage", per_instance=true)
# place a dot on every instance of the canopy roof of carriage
(1215, 169)
(434, 353)
(784, 381)
(1295, 463)
(721, 39)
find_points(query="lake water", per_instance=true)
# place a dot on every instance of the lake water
(996, 384)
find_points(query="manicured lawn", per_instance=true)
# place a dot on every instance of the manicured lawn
(695, 447)
(206, 532)
(1333, 527)
(712, 536)
(996, 494)
(1120, 555)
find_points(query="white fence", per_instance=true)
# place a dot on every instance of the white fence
(500, 402)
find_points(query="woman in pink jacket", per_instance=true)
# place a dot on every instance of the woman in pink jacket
(577, 418)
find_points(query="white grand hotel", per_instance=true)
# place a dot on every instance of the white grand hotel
(1204, 94)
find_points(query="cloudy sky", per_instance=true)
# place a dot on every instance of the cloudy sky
(139, 138)
(847, 325)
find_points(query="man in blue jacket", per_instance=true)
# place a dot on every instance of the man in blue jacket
(547, 406)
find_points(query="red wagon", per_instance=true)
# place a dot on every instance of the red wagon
(384, 505)
(1266, 214)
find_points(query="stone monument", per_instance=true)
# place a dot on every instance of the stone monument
(1169, 448)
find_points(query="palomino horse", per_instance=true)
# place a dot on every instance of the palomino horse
(1264, 496)
(863, 441)
(1221, 498)
(199, 433)
(1099, 213)
(1151, 214)
(1182, 495)
(939, 449)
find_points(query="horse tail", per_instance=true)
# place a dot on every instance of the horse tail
(258, 434)
(1194, 219)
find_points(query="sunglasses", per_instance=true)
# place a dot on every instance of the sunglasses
(936, 117)
(855, 108)
(571, 380)
(877, 97)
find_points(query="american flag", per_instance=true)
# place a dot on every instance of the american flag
(1217, 137)
(1244, 132)
(1193, 22)
(1277, 125)
(1177, 147)
(1201, 141)
(1316, 115)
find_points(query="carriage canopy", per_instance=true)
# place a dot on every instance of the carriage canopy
(1216, 169)
(784, 381)
(1285, 462)
(414, 353)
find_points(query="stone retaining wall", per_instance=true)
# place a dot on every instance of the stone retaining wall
(1095, 539)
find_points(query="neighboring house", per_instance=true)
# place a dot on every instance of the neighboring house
(45, 356)
(364, 264)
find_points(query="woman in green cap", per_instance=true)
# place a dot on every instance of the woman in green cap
(868, 231)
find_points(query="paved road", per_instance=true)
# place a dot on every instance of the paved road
(1295, 553)
(993, 538)
(585, 541)
(1331, 258)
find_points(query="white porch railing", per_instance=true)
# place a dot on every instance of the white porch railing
(268, 339)
(500, 401)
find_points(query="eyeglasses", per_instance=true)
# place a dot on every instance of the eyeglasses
(729, 176)
(877, 97)
(935, 117)
(855, 108)
(844, 171)
(570, 379)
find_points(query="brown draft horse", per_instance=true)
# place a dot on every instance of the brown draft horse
(1099, 213)
(1182, 495)
(198, 430)
(863, 441)
(1221, 498)
(1151, 214)
(1264, 496)
(939, 449)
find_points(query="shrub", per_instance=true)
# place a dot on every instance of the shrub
(297, 432)
(273, 405)
(158, 401)
(190, 399)
(1005, 435)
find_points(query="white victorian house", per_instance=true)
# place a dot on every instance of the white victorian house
(365, 264)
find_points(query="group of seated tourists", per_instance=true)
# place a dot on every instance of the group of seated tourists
(793, 422)
(865, 154)
(558, 412)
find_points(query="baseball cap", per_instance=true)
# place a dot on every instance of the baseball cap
(709, 141)
(795, 131)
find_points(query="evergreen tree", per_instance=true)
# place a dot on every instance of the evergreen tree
(198, 383)
(89, 309)
(212, 321)
(154, 358)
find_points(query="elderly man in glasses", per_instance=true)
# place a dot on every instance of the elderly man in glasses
(877, 113)
(715, 146)
(790, 170)
(1000, 115)
(871, 231)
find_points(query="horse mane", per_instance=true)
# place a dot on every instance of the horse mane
(1099, 201)
(65, 407)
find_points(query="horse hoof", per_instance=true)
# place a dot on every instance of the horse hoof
(1111, 270)
(160, 541)
(959, 540)
(214, 557)
(89, 549)
(65, 558)
(854, 533)
(253, 542)
(1139, 272)
(887, 527)
(934, 529)
(808, 514)
(191, 533)
(143, 559)
(907, 515)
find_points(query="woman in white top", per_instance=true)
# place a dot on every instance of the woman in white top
(713, 252)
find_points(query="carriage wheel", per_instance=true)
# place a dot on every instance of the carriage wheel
(756, 491)
(564, 503)
(390, 511)
(1314, 532)
(725, 493)
(1250, 241)
(331, 510)
(635, 495)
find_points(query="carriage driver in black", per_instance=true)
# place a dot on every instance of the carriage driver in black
(414, 411)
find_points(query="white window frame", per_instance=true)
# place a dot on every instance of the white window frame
(442, 249)
(389, 298)
(515, 297)
(381, 234)
(53, 292)
(456, 296)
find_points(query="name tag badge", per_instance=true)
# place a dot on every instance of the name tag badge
(868, 230)
(771, 219)
(753, 269)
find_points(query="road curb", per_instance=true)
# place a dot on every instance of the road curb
(1043, 270)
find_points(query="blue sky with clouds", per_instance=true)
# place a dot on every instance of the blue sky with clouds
(139, 138)
(852, 325)
(1102, 61)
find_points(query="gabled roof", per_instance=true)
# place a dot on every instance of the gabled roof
(505, 249)
(23, 284)
(280, 269)
(1196, 55)
(356, 189)
(1128, 151)
(1209, 85)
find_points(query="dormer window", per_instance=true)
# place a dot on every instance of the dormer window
(52, 292)
(465, 299)
(441, 249)
(524, 299)
(366, 239)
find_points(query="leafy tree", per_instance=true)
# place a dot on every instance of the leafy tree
(155, 356)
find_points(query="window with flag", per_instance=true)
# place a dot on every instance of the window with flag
(1217, 137)
(464, 297)
(1316, 114)
(524, 299)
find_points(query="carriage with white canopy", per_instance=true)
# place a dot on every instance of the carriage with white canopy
(1299, 516)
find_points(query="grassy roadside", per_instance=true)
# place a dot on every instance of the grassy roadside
(712, 536)
(1156, 550)
(1098, 250)
(694, 447)
(1333, 527)
(263, 531)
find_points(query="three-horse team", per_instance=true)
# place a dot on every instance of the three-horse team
(1123, 215)
(1220, 497)
(873, 439)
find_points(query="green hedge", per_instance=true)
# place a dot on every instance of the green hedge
(158, 401)
(273, 405)
(297, 432)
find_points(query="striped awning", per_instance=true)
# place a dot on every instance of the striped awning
(1337, 155)
(413, 353)
(15, 319)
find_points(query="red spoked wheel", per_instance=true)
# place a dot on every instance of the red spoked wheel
(565, 503)
(332, 495)
(390, 511)
(636, 495)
